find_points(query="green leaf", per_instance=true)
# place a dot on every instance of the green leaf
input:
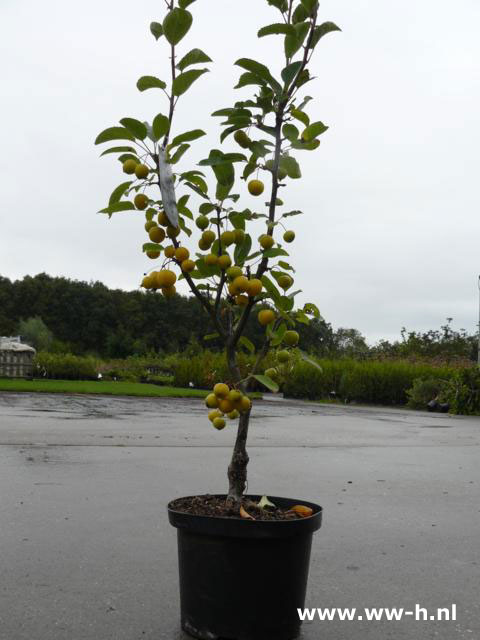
(197, 190)
(248, 344)
(312, 309)
(118, 150)
(217, 157)
(225, 174)
(116, 207)
(156, 29)
(303, 78)
(289, 214)
(207, 271)
(160, 126)
(199, 182)
(276, 336)
(285, 265)
(271, 288)
(290, 131)
(313, 131)
(242, 250)
(300, 115)
(294, 293)
(294, 42)
(179, 153)
(273, 29)
(259, 149)
(259, 70)
(136, 128)
(183, 4)
(247, 79)
(267, 382)
(290, 71)
(304, 102)
(151, 246)
(118, 192)
(224, 112)
(150, 82)
(237, 218)
(274, 253)
(291, 166)
(249, 169)
(282, 5)
(182, 202)
(310, 361)
(322, 30)
(185, 80)
(310, 5)
(188, 136)
(211, 336)
(235, 157)
(301, 145)
(195, 56)
(176, 25)
(301, 317)
(206, 208)
(284, 303)
(114, 133)
(183, 227)
(300, 14)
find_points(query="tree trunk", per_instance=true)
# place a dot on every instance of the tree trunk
(237, 470)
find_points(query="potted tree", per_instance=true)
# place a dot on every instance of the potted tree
(243, 559)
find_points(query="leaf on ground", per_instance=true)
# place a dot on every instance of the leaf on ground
(265, 502)
(302, 510)
(245, 515)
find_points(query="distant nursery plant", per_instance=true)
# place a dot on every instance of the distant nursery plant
(233, 270)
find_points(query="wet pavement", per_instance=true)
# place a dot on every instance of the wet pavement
(87, 552)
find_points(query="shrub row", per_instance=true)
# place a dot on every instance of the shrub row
(64, 366)
(368, 382)
(381, 382)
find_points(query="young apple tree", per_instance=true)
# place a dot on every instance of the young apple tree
(232, 270)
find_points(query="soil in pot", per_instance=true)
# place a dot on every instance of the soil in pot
(220, 507)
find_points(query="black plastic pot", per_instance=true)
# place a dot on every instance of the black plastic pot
(243, 580)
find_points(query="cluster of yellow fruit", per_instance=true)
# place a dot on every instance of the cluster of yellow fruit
(241, 288)
(131, 167)
(163, 279)
(227, 238)
(226, 402)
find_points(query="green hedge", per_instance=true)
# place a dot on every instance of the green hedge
(64, 367)
(385, 382)
(367, 382)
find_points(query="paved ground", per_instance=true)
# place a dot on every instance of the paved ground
(87, 552)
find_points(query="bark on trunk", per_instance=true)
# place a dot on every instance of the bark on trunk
(237, 470)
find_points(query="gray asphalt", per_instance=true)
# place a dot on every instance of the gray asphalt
(87, 552)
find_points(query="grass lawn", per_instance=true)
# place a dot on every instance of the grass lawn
(99, 387)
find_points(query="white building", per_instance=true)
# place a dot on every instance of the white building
(16, 358)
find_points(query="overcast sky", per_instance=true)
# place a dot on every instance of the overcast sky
(391, 229)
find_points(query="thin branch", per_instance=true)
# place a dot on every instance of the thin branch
(173, 102)
(305, 53)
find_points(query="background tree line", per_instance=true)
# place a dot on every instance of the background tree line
(71, 316)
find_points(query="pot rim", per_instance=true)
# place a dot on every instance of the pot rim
(243, 528)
